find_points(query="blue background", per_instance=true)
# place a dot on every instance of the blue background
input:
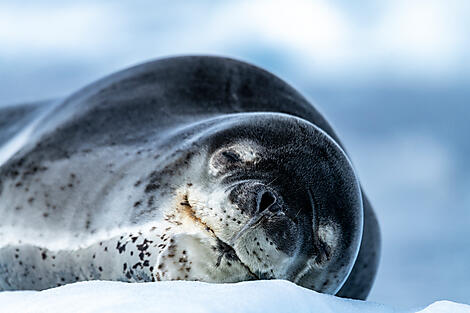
(392, 77)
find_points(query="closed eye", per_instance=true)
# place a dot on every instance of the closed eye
(231, 156)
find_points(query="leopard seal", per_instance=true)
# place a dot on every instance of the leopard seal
(187, 168)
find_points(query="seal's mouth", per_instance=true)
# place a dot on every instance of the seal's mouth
(224, 249)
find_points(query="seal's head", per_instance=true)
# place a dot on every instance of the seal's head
(280, 196)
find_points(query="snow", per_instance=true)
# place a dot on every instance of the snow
(184, 296)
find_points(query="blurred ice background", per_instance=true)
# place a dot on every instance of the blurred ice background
(392, 76)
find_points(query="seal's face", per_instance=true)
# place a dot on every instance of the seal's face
(282, 200)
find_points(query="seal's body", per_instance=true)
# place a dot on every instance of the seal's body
(191, 168)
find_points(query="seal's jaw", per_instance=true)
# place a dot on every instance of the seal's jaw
(260, 254)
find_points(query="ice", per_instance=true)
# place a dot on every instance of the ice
(184, 296)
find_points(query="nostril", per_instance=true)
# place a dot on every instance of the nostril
(266, 202)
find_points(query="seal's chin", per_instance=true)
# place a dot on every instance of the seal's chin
(224, 249)
(229, 253)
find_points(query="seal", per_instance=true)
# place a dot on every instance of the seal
(188, 168)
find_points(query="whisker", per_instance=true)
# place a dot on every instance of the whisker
(252, 222)
(275, 178)
(233, 185)
(297, 213)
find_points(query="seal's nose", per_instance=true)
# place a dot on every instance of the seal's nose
(267, 201)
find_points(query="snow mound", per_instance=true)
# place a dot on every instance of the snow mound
(183, 296)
